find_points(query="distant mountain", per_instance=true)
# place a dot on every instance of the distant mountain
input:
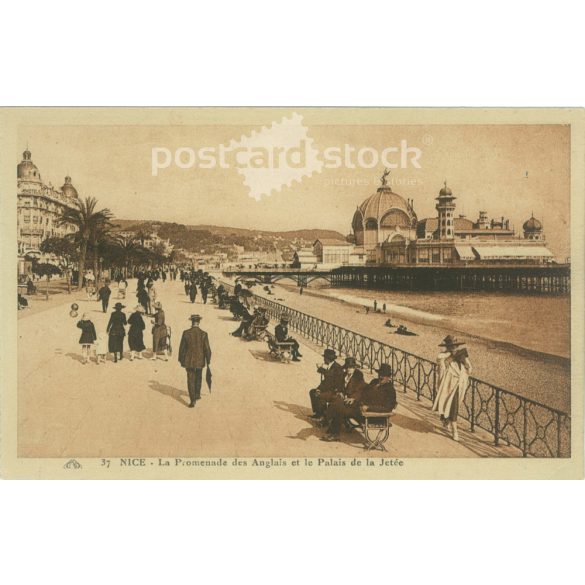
(205, 238)
(305, 234)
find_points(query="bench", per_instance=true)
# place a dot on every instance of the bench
(281, 350)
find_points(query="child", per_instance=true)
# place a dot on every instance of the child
(88, 336)
(101, 349)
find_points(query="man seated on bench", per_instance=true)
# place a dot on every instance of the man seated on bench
(331, 386)
(378, 396)
(281, 334)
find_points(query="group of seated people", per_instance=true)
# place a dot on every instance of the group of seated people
(251, 323)
(343, 394)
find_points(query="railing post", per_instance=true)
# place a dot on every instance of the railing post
(497, 429)
(418, 380)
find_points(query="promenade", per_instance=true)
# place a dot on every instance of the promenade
(257, 407)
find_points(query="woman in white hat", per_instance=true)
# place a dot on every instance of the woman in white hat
(135, 333)
(159, 333)
(453, 378)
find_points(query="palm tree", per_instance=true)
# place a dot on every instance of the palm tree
(127, 250)
(87, 220)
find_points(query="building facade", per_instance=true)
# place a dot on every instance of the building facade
(387, 231)
(39, 206)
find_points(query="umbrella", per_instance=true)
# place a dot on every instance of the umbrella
(246, 293)
(208, 378)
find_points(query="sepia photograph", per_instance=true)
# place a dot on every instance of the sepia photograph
(207, 291)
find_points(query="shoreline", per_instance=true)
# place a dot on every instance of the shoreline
(411, 316)
(543, 378)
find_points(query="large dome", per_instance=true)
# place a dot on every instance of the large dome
(384, 209)
(27, 170)
(532, 225)
(68, 189)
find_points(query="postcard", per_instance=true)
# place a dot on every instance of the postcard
(292, 293)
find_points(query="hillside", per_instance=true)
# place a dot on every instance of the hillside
(306, 234)
(207, 239)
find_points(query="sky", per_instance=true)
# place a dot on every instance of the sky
(506, 170)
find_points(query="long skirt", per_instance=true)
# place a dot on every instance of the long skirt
(159, 338)
(136, 339)
(116, 343)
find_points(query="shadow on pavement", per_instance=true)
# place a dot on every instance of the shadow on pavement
(352, 439)
(169, 391)
(77, 357)
(412, 424)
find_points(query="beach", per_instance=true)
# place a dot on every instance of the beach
(498, 359)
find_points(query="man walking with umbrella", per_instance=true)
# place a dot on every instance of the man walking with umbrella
(194, 354)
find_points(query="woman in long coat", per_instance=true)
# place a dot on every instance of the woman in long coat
(159, 333)
(143, 299)
(454, 370)
(116, 331)
(135, 333)
(88, 336)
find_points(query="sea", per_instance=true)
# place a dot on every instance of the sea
(535, 322)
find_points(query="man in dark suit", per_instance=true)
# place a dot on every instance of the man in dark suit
(104, 296)
(332, 384)
(194, 354)
(378, 396)
(281, 334)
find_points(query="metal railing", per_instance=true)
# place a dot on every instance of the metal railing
(534, 428)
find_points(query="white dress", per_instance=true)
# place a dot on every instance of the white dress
(452, 382)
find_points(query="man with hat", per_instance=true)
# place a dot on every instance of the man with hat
(453, 377)
(378, 396)
(281, 334)
(332, 384)
(104, 296)
(194, 354)
(346, 405)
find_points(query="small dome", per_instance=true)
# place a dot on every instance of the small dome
(27, 170)
(68, 189)
(532, 225)
(445, 191)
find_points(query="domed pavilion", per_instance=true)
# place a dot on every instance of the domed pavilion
(384, 219)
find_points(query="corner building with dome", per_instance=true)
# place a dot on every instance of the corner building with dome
(39, 206)
(387, 231)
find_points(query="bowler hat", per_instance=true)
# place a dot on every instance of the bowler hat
(195, 317)
(350, 363)
(330, 354)
(384, 370)
(119, 306)
(450, 341)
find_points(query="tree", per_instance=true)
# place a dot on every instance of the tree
(125, 251)
(45, 269)
(87, 220)
(66, 252)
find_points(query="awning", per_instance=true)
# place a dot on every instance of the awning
(465, 252)
(512, 252)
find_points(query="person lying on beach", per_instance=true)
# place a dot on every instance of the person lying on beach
(388, 323)
(402, 330)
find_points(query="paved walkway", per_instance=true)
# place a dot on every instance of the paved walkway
(257, 407)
